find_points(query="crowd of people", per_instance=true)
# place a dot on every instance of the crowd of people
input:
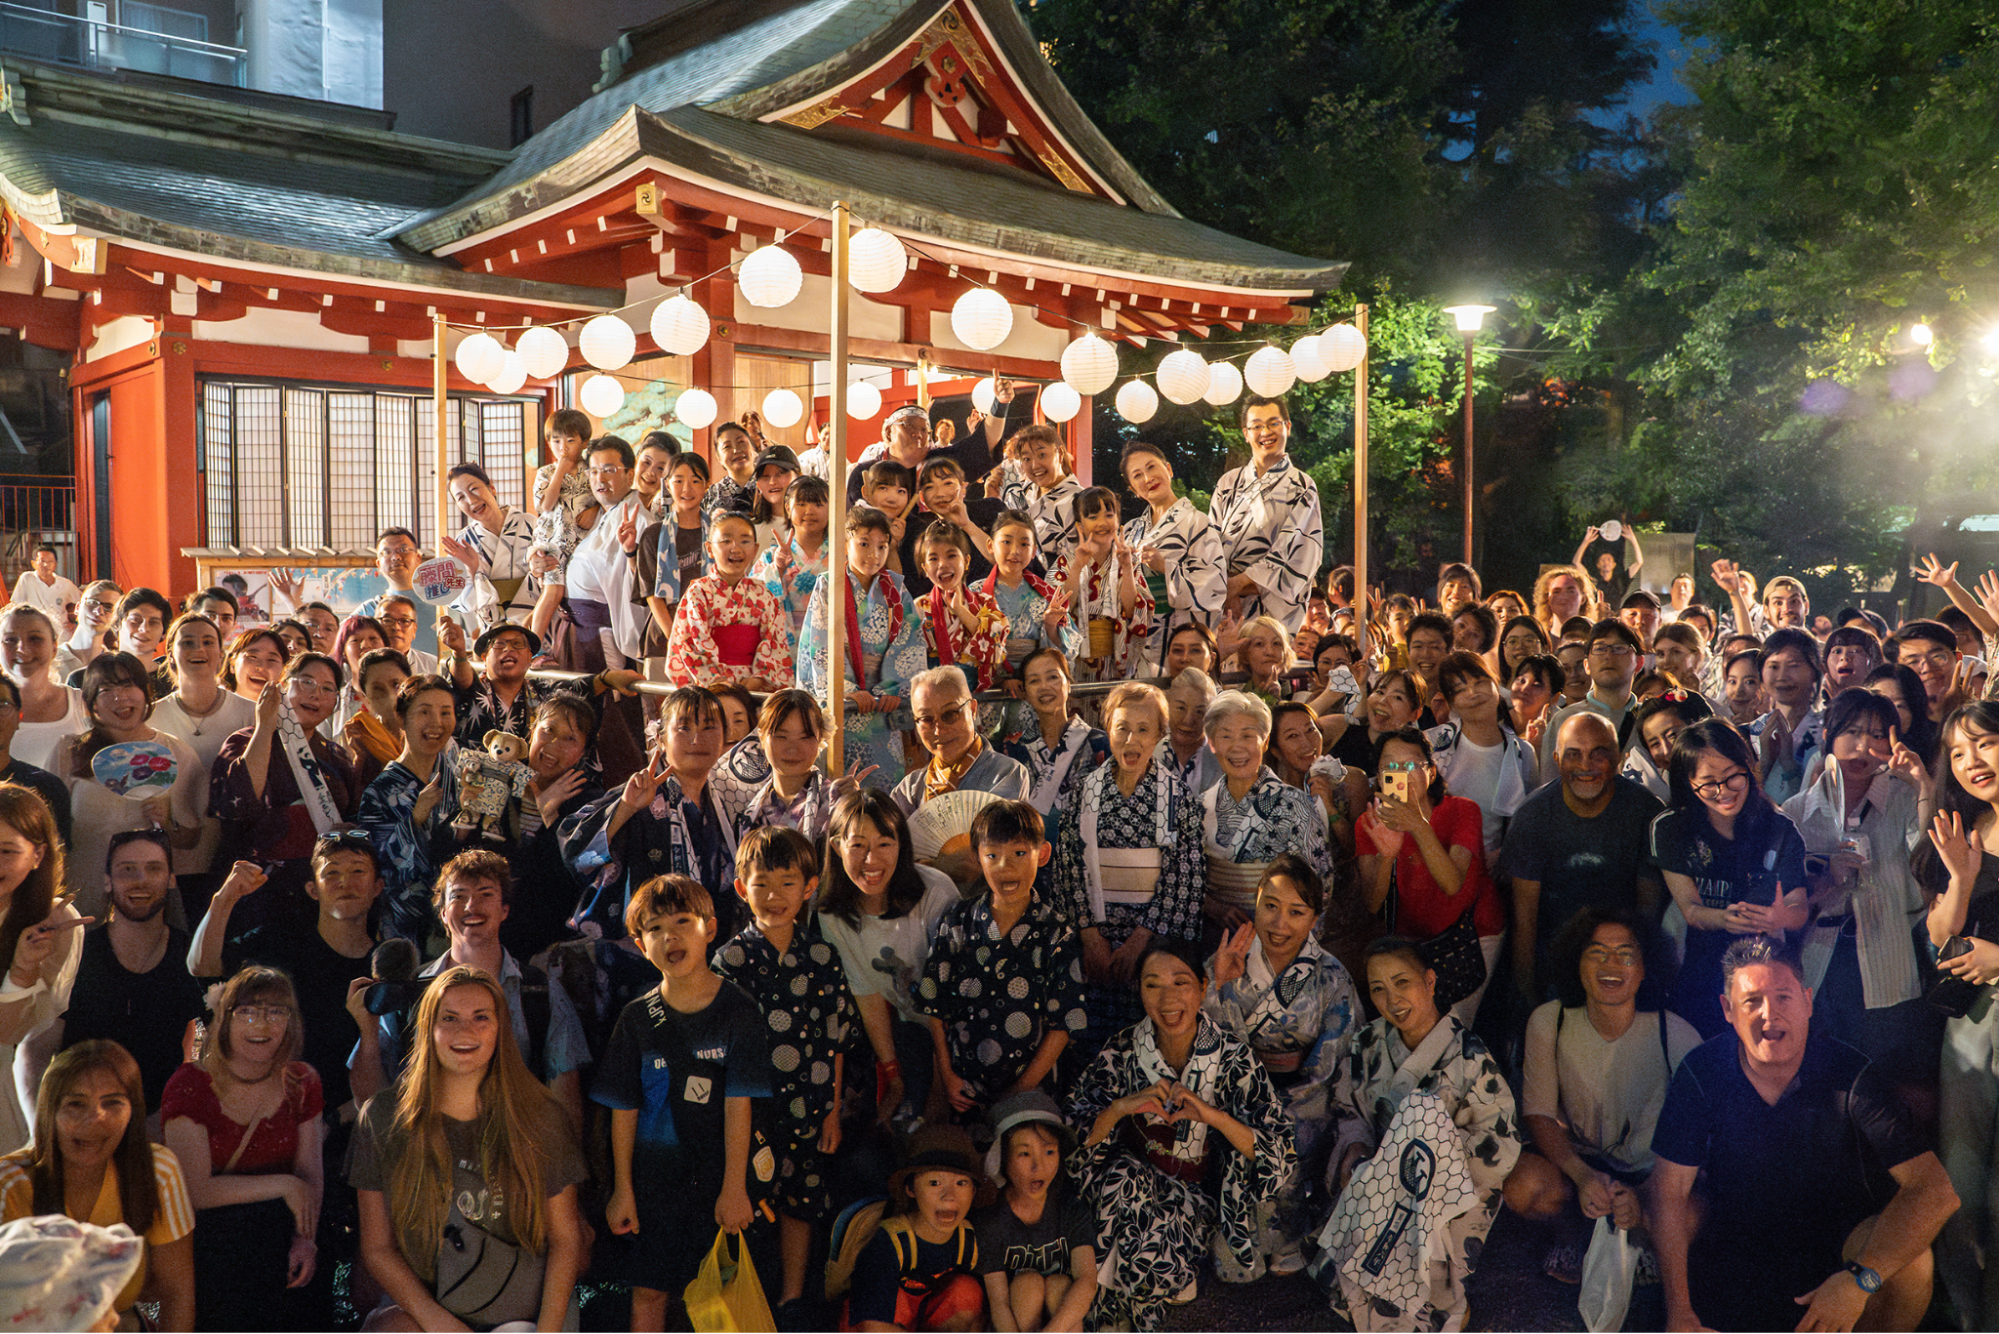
(1170, 915)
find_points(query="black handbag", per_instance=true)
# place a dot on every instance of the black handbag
(1453, 954)
(483, 1280)
(1950, 993)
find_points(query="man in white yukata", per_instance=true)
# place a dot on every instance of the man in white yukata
(1272, 531)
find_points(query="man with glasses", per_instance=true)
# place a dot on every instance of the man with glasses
(1271, 527)
(960, 759)
(1574, 844)
(141, 620)
(1612, 657)
(600, 598)
(401, 616)
(96, 613)
(132, 984)
(396, 557)
(498, 696)
(1929, 649)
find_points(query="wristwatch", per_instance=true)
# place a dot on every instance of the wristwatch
(1869, 1281)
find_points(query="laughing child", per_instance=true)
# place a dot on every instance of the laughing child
(961, 626)
(1037, 1242)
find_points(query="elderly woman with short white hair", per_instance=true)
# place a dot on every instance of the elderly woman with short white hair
(1251, 815)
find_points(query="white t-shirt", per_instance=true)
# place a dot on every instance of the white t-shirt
(1607, 1094)
(1475, 774)
(52, 598)
(204, 736)
(884, 956)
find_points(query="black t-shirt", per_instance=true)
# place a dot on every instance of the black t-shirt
(1009, 1246)
(320, 975)
(146, 1013)
(1766, 854)
(879, 1271)
(1579, 863)
(50, 788)
(1784, 1184)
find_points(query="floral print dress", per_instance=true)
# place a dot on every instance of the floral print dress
(725, 632)
(1113, 640)
(790, 575)
(888, 652)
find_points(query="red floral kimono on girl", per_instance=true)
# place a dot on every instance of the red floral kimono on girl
(1113, 647)
(725, 632)
(981, 652)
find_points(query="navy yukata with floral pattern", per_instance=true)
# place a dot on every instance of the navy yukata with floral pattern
(998, 996)
(811, 1019)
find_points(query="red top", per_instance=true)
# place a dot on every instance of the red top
(191, 1093)
(1423, 910)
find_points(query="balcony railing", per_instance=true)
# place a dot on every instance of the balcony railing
(91, 43)
(34, 510)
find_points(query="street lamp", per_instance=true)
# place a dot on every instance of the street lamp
(1469, 318)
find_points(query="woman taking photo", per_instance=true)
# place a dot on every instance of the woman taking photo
(243, 1121)
(1416, 1048)
(51, 713)
(1179, 554)
(408, 809)
(468, 1160)
(1161, 1103)
(91, 1161)
(203, 714)
(279, 784)
(1732, 861)
(1250, 816)
(118, 692)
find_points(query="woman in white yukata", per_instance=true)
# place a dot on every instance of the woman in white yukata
(1277, 989)
(1157, 1106)
(1128, 863)
(1179, 552)
(882, 648)
(494, 546)
(1406, 1074)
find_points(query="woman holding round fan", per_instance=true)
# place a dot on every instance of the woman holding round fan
(123, 774)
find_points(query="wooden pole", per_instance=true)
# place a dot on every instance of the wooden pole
(835, 600)
(923, 379)
(438, 397)
(1360, 486)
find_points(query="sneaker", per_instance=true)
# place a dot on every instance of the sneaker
(1564, 1264)
(1291, 1260)
(1186, 1294)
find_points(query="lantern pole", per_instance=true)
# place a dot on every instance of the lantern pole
(1471, 337)
(835, 601)
(1360, 485)
(437, 393)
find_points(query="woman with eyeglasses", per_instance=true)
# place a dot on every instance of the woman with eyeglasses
(280, 783)
(118, 692)
(243, 1118)
(1733, 862)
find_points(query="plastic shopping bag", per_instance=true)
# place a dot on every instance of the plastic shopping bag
(1609, 1268)
(725, 1295)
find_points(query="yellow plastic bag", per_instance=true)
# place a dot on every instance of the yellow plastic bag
(725, 1295)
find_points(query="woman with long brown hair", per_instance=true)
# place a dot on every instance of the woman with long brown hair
(468, 1156)
(91, 1161)
(244, 1121)
(39, 940)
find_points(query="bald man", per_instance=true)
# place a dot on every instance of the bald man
(1576, 843)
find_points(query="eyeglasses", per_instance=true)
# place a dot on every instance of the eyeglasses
(1610, 650)
(261, 1014)
(400, 622)
(617, 471)
(1625, 955)
(337, 839)
(305, 685)
(1735, 782)
(398, 551)
(1401, 766)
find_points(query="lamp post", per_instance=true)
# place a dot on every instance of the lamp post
(1469, 318)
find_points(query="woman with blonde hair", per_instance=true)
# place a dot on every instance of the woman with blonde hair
(1263, 649)
(1562, 592)
(468, 1163)
(244, 1121)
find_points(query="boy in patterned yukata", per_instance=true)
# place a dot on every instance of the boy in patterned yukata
(679, 1073)
(962, 627)
(728, 628)
(796, 979)
(1003, 986)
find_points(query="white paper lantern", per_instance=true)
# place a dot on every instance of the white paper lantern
(601, 396)
(1060, 402)
(608, 343)
(1308, 360)
(981, 318)
(1342, 347)
(679, 326)
(1224, 383)
(1136, 402)
(1089, 365)
(782, 408)
(985, 395)
(1183, 375)
(876, 260)
(479, 357)
(863, 400)
(1269, 372)
(543, 352)
(513, 374)
(696, 408)
(770, 277)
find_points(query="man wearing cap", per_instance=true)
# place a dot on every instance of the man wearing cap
(498, 696)
(921, 1269)
(734, 485)
(1640, 611)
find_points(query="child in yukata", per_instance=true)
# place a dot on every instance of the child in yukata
(728, 628)
(1106, 587)
(1037, 1242)
(1052, 489)
(792, 564)
(962, 627)
(891, 488)
(1037, 615)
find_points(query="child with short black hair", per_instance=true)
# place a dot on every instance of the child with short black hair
(920, 1269)
(1037, 1242)
(787, 967)
(941, 486)
(1003, 984)
(962, 627)
(891, 488)
(679, 1073)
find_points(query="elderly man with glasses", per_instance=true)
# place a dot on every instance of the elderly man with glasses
(960, 760)
(1612, 658)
